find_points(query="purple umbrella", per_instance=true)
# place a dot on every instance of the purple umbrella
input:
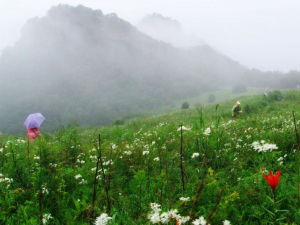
(34, 120)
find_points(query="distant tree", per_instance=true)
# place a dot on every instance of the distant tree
(211, 98)
(185, 105)
(239, 89)
(275, 96)
(119, 122)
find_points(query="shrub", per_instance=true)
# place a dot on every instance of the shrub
(275, 96)
(185, 105)
(119, 122)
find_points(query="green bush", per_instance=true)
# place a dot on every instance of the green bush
(275, 96)
(185, 105)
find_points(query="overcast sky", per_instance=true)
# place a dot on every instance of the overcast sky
(262, 34)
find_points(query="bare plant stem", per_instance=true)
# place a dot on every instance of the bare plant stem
(198, 192)
(28, 144)
(95, 187)
(40, 196)
(215, 208)
(106, 188)
(181, 160)
(296, 130)
(298, 147)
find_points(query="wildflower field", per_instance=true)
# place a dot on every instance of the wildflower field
(195, 166)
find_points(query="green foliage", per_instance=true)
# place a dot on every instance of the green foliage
(185, 105)
(275, 96)
(140, 161)
(119, 122)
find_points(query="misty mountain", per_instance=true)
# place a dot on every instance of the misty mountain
(77, 64)
(168, 30)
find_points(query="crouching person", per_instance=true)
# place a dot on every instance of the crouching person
(236, 110)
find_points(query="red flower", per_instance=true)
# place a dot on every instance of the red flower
(273, 180)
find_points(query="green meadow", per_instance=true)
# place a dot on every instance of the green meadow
(192, 166)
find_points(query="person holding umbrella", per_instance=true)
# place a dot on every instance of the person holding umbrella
(32, 124)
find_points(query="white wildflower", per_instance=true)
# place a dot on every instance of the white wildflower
(127, 152)
(195, 154)
(154, 215)
(46, 218)
(44, 189)
(83, 181)
(207, 131)
(80, 161)
(200, 221)
(78, 176)
(103, 219)
(155, 207)
(173, 213)
(53, 165)
(109, 162)
(262, 146)
(146, 152)
(184, 199)
(184, 128)
(165, 218)
(226, 222)
(154, 218)
(280, 160)
(156, 159)
(183, 219)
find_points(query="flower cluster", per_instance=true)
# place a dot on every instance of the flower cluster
(156, 216)
(195, 154)
(127, 152)
(5, 180)
(184, 128)
(200, 221)
(262, 146)
(207, 131)
(103, 219)
(146, 152)
(82, 181)
(46, 218)
(184, 199)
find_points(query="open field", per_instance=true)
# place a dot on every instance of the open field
(198, 162)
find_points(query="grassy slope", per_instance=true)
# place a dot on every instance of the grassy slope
(224, 182)
(221, 95)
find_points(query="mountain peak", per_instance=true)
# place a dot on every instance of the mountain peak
(168, 30)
